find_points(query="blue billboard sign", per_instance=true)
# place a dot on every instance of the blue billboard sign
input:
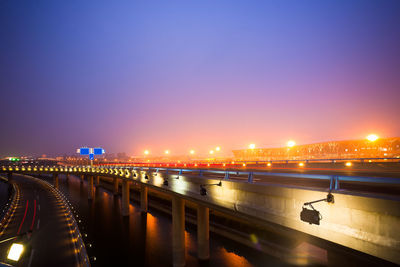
(90, 151)
(84, 151)
(98, 151)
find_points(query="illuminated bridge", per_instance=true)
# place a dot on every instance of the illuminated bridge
(359, 219)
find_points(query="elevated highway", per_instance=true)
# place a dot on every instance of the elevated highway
(363, 221)
(41, 220)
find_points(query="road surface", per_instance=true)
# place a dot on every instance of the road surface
(41, 211)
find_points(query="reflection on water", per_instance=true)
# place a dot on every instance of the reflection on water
(145, 239)
(232, 259)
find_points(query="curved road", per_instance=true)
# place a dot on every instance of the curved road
(40, 210)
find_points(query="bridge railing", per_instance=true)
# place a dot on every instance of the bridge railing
(334, 180)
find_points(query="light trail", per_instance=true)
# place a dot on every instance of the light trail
(23, 219)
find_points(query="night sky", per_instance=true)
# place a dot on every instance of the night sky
(181, 75)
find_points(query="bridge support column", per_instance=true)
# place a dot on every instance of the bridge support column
(178, 231)
(9, 176)
(125, 198)
(97, 180)
(115, 191)
(203, 233)
(55, 180)
(82, 178)
(143, 198)
(67, 177)
(90, 187)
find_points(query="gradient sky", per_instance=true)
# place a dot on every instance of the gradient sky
(180, 75)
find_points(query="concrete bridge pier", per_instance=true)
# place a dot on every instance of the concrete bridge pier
(67, 177)
(125, 198)
(82, 178)
(55, 180)
(9, 176)
(178, 231)
(90, 187)
(143, 198)
(97, 180)
(115, 191)
(203, 233)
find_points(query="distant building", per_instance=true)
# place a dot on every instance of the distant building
(122, 156)
(381, 148)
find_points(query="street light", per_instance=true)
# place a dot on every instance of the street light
(252, 146)
(211, 152)
(217, 148)
(146, 152)
(192, 152)
(372, 137)
(291, 143)
(166, 152)
(15, 251)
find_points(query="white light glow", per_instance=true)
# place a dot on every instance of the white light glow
(291, 143)
(372, 137)
(15, 252)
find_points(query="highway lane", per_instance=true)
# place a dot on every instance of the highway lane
(375, 188)
(42, 212)
(350, 171)
(355, 170)
(366, 169)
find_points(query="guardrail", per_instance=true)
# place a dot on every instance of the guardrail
(233, 162)
(334, 180)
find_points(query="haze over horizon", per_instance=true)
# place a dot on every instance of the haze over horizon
(131, 76)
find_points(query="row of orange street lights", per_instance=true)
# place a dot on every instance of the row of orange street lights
(191, 152)
(290, 143)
